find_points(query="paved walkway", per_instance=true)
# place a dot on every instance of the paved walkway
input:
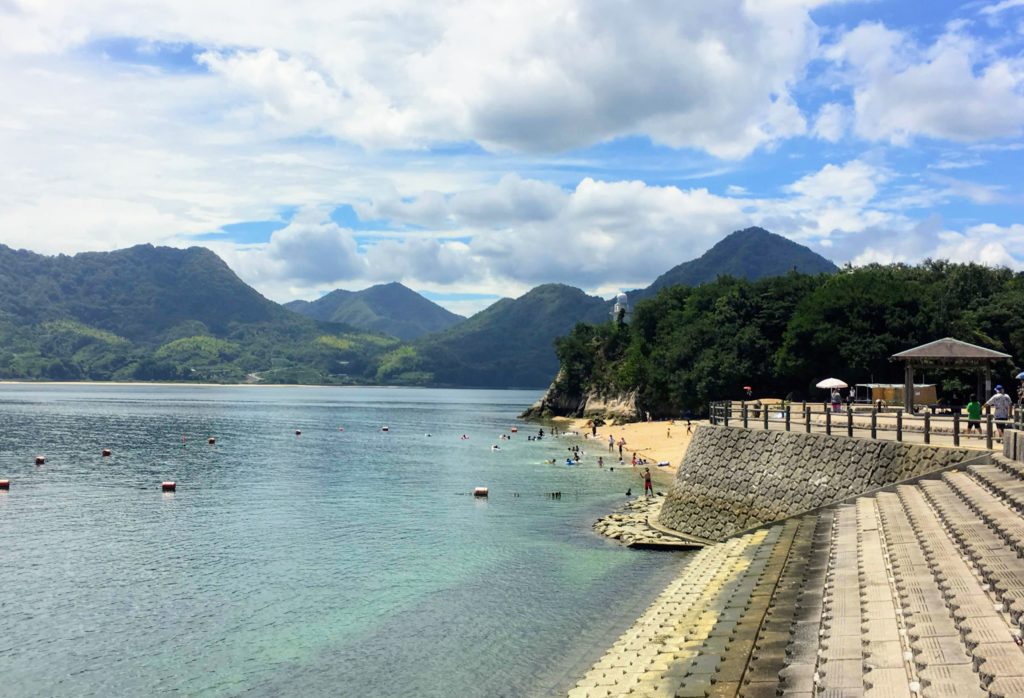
(913, 592)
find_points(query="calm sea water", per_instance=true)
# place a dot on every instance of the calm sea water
(345, 561)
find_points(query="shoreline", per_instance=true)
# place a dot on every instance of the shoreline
(658, 442)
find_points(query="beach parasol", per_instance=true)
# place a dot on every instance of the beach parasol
(830, 383)
(1020, 376)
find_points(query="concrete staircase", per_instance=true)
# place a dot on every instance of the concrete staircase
(915, 591)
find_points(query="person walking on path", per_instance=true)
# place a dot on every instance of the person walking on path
(974, 414)
(648, 487)
(1002, 405)
(837, 400)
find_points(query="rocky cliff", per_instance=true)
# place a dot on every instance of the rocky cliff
(558, 402)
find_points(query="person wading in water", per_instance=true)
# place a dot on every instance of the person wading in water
(647, 483)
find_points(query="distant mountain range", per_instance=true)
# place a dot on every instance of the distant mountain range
(390, 309)
(751, 254)
(152, 313)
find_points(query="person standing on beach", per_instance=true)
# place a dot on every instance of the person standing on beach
(648, 487)
(1002, 405)
(611, 443)
(974, 414)
(622, 442)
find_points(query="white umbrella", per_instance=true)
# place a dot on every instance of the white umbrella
(830, 383)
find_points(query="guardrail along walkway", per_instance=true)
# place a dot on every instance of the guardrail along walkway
(918, 591)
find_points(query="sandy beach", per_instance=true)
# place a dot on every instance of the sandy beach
(658, 442)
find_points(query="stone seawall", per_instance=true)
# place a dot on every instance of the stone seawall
(733, 479)
(1013, 445)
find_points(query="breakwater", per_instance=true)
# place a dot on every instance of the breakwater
(734, 479)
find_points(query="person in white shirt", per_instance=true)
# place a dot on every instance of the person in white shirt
(1002, 406)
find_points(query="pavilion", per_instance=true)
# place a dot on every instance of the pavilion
(948, 353)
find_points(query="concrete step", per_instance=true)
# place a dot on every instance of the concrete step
(1005, 486)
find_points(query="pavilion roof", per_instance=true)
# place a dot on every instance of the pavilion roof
(951, 350)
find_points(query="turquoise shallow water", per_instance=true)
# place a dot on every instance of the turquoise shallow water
(348, 563)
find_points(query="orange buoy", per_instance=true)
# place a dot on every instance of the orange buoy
(480, 492)
(5, 484)
(515, 430)
(168, 486)
(106, 453)
(40, 460)
(211, 441)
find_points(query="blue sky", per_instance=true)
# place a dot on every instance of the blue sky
(473, 150)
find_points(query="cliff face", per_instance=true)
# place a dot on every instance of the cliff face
(560, 403)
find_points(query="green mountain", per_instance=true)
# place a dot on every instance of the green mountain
(157, 313)
(751, 254)
(509, 344)
(391, 309)
(780, 335)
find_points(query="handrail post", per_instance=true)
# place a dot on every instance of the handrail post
(807, 417)
(764, 415)
(874, 423)
(849, 423)
(726, 409)
(788, 411)
(743, 410)
(828, 422)
(899, 425)
(927, 427)
(956, 428)
(988, 430)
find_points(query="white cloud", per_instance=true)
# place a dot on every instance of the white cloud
(1001, 6)
(953, 89)
(831, 123)
(530, 76)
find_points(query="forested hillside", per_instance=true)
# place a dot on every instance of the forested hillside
(687, 346)
(751, 253)
(157, 313)
(391, 309)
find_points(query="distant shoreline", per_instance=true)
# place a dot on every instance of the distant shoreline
(252, 385)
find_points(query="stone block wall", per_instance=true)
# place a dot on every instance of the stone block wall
(1013, 444)
(733, 479)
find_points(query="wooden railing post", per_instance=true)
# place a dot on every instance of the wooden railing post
(807, 417)
(828, 422)
(988, 430)
(874, 423)
(726, 409)
(849, 422)
(744, 411)
(765, 416)
(788, 411)
(899, 425)
(956, 428)
(927, 427)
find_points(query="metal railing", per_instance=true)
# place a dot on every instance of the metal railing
(926, 427)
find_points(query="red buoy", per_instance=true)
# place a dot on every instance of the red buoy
(168, 486)
(5, 484)
(515, 430)
(211, 441)
(40, 460)
(106, 453)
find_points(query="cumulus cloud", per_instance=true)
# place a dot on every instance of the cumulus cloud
(529, 76)
(831, 123)
(952, 89)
